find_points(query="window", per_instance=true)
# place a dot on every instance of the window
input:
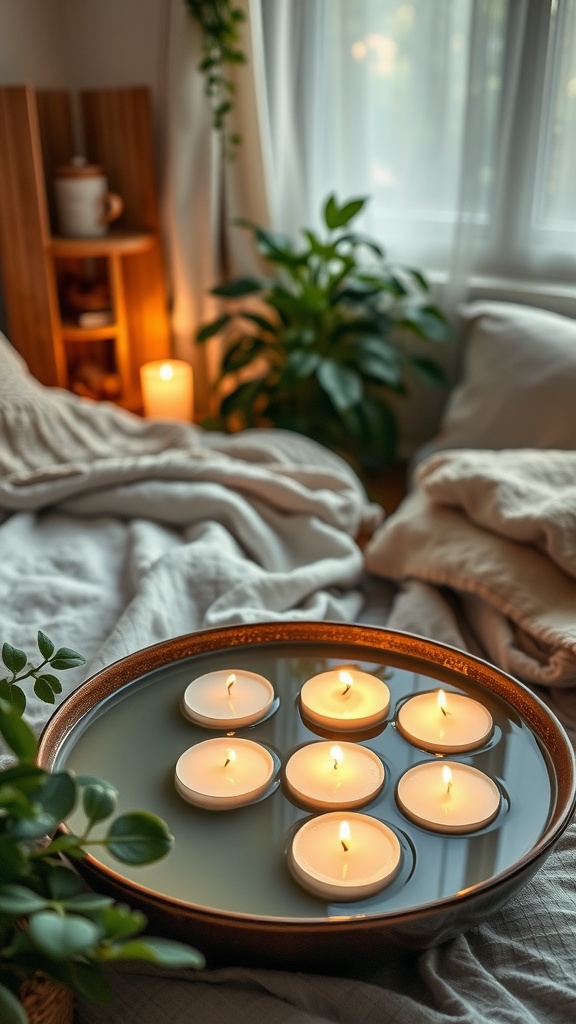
(452, 115)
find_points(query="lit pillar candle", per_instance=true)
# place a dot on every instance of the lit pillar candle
(326, 776)
(446, 796)
(345, 700)
(224, 773)
(447, 723)
(167, 389)
(228, 699)
(342, 857)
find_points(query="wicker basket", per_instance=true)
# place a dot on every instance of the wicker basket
(47, 1001)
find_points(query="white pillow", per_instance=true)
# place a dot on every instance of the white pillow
(518, 388)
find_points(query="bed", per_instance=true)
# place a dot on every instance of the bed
(117, 533)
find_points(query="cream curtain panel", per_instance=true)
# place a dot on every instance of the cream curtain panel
(203, 194)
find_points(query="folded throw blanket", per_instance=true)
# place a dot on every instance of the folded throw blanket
(498, 529)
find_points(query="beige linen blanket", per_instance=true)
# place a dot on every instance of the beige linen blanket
(496, 532)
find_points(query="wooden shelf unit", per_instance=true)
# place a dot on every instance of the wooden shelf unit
(35, 137)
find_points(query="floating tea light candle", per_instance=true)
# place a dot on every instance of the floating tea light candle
(344, 700)
(223, 773)
(445, 723)
(326, 776)
(448, 797)
(344, 857)
(228, 699)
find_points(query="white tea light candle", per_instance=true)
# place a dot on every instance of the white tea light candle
(345, 700)
(446, 723)
(326, 776)
(167, 389)
(228, 699)
(344, 856)
(447, 796)
(224, 773)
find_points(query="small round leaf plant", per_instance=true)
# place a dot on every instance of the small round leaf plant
(50, 922)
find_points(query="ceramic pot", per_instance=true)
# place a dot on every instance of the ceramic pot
(84, 205)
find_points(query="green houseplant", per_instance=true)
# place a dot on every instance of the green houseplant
(326, 342)
(50, 924)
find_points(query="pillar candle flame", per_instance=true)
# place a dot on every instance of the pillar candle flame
(230, 682)
(447, 777)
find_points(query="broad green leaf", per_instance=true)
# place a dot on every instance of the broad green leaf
(355, 239)
(12, 859)
(57, 795)
(242, 354)
(11, 1009)
(426, 321)
(63, 883)
(341, 384)
(13, 658)
(63, 937)
(158, 951)
(44, 691)
(337, 216)
(325, 251)
(214, 327)
(13, 695)
(428, 371)
(17, 900)
(261, 321)
(17, 733)
(52, 681)
(139, 838)
(99, 802)
(87, 903)
(303, 363)
(66, 658)
(45, 645)
(239, 286)
(120, 922)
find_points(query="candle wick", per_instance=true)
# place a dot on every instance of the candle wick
(227, 762)
(344, 846)
(229, 686)
(335, 764)
(444, 712)
(448, 788)
(346, 688)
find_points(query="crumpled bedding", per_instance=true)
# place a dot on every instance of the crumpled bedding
(116, 533)
(485, 550)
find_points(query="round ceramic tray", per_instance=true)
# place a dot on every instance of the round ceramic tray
(226, 885)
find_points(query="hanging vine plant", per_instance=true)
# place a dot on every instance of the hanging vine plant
(220, 22)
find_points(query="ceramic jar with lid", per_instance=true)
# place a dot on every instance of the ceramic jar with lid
(84, 205)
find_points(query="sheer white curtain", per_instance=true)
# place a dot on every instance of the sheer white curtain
(456, 117)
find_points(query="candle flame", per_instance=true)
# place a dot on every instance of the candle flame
(230, 682)
(442, 702)
(166, 372)
(230, 757)
(344, 835)
(346, 680)
(447, 777)
(337, 755)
